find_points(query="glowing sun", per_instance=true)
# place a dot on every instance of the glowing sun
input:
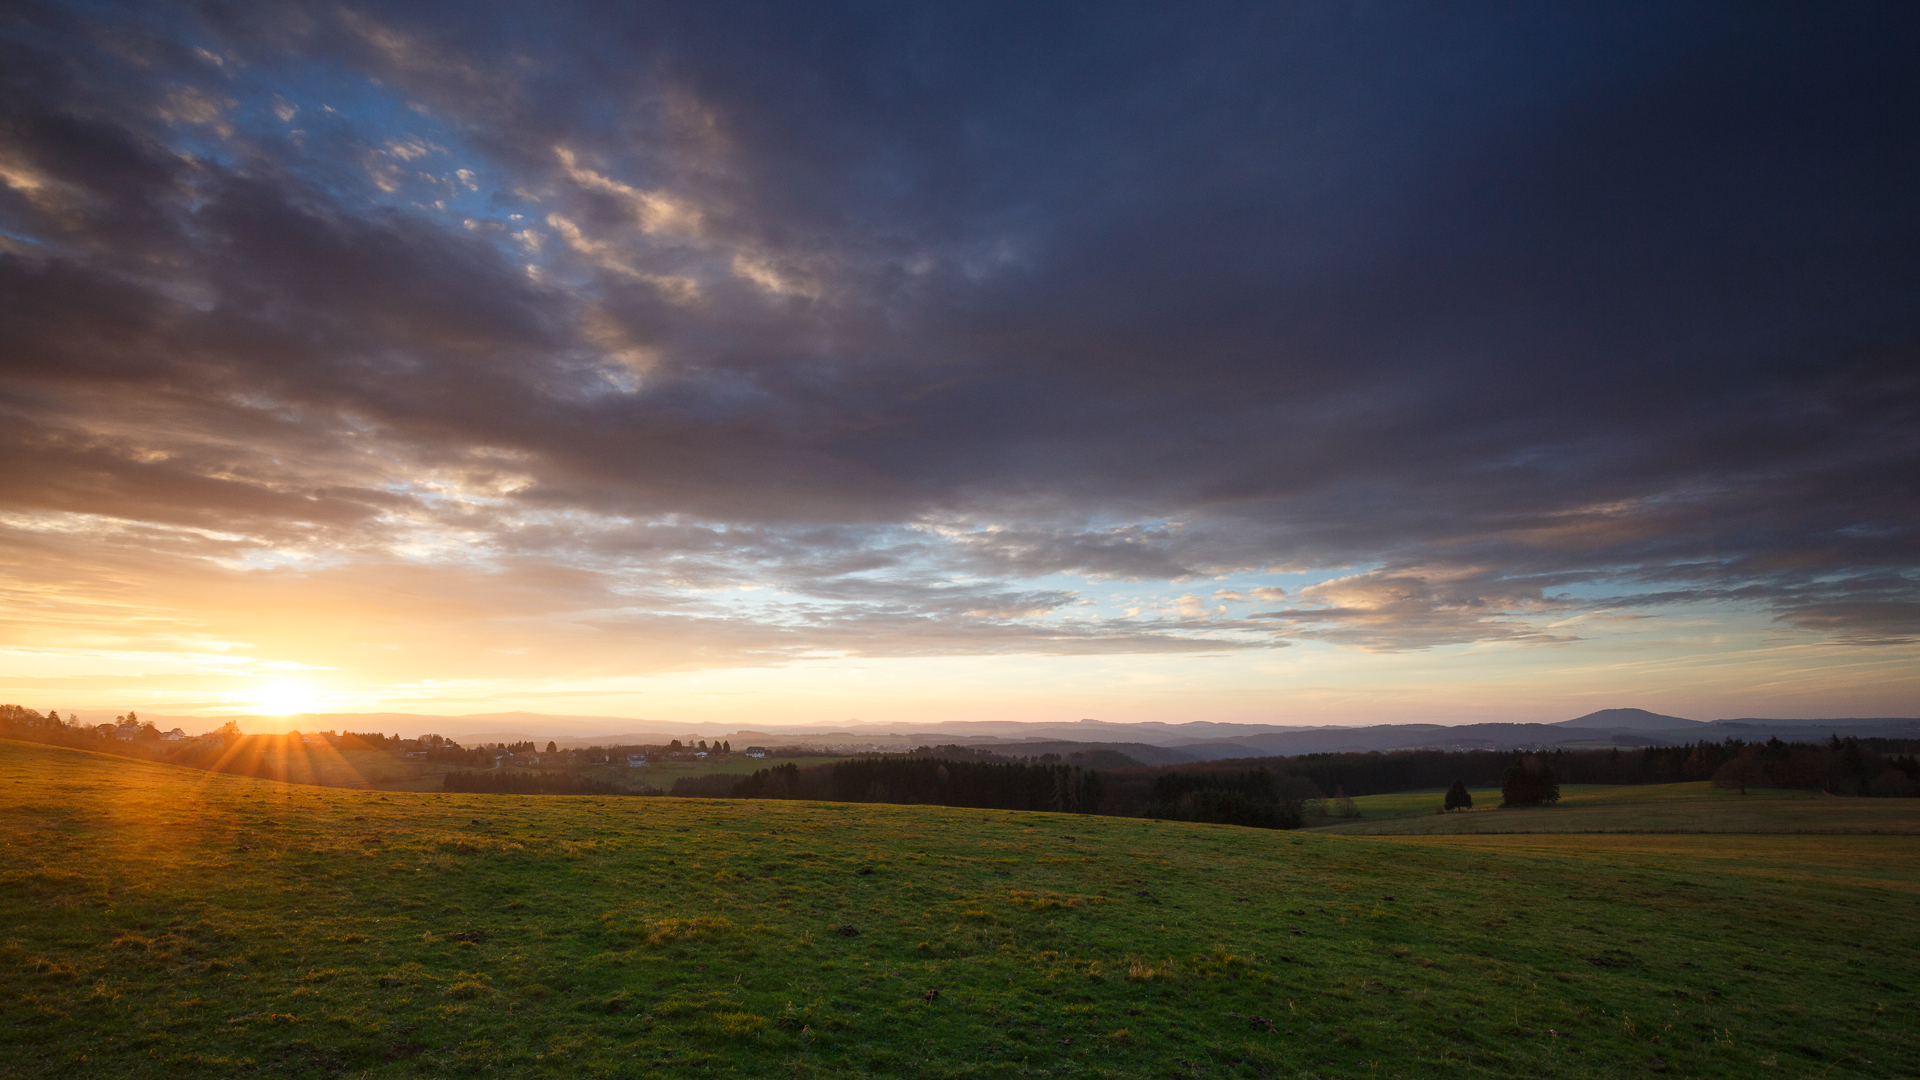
(285, 698)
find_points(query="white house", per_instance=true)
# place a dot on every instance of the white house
(756, 751)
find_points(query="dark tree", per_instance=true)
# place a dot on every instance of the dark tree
(1741, 772)
(779, 782)
(552, 747)
(1529, 782)
(1458, 798)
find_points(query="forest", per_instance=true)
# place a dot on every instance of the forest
(913, 780)
(1282, 793)
(1272, 792)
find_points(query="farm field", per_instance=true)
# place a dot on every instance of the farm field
(163, 922)
(1402, 804)
(384, 770)
(1660, 808)
(328, 767)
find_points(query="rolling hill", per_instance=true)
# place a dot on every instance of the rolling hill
(161, 921)
(1629, 720)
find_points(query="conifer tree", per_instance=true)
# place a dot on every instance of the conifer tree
(1529, 782)
(1458, 798)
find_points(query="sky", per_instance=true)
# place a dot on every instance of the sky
(799, 364)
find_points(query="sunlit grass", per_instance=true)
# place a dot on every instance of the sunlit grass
(165, 922)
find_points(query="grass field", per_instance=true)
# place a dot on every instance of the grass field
(164, 922)
(336, 768)
(1661, 808)
(387, 771)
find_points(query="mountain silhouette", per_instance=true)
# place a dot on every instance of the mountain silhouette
(1630, 719)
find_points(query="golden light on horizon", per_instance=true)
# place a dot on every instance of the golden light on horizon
(286, 698)
(600, 437)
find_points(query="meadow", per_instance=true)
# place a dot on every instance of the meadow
(387, 770)
(166, 922)
(1697, 807)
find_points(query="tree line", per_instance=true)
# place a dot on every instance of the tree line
(1252, 797)
(915, 780)
(1283, 793)
(1840, 766)
(1280, 792)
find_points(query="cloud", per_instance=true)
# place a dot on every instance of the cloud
(194, 106)
(808, 304)
(1418, 608)
(656, 212)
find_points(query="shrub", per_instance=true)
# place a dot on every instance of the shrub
(1343, 803)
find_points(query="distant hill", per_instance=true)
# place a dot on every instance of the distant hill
(1133, 753)
(1843, 722)
(1149, 743)
(1628, 720)
(1384, 737)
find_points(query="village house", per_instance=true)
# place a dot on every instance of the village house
(756, 751)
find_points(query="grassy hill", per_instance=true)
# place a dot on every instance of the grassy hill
(159, 921)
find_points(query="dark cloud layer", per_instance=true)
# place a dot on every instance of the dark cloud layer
(1488, 314)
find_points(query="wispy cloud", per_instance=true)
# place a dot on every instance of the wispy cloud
(653, 344)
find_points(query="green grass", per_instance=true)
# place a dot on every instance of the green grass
(1655, 808)
(384, 770)
(157, 921)
(1406, 804)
